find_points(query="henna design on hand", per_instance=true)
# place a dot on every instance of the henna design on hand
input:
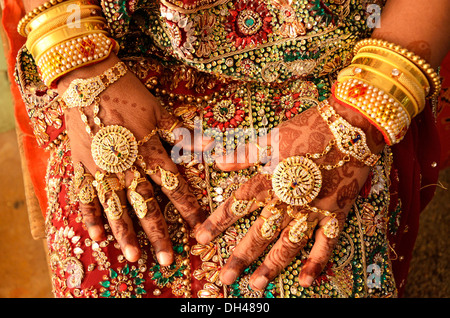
(347, 193)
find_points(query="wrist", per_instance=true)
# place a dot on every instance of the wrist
(87, 71)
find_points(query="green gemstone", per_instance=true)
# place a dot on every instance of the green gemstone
(112, 273)
(126, 270)
(269, 295)
(157, 275)
(140, 291)
(106, 294)
(249, 22)
(106, 284)
(138, 281)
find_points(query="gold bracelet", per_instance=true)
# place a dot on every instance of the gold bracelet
(381, 109)
(73, 54)
(21, 26)
(64, 33)
(349, 139)
(427, 70)
(83, 92)
(397, 74)
(55, 11)
(60, 20)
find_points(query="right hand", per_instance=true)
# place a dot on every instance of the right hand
(128, 103)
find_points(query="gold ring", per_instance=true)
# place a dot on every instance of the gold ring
(240, 208)
(87, 193)
(113, 208)
(272, 223)
(301, 228)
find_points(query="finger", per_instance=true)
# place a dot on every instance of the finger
(163, 171)
(245, 200)
(113, 198)
(172, 130)
(291, 241)
(249, 154)
(141, 197)
(263, 231)
(318, 257)
(90, 207)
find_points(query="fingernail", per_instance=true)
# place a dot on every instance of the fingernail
(131, 253)
(307, 281)
(96, 233)
(164, 258)
(228, 277)
(260, 282)
(203, 237)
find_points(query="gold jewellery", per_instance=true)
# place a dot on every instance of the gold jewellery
(86, 191)
(64, 35)
(137, 201)
(297, 180)
(388, 85)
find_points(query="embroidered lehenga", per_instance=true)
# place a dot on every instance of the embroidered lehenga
(230, 65)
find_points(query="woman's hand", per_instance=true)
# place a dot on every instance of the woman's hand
(128, 103)
(306, 133)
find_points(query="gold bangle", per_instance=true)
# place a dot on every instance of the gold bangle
(392, 120)
(64, 33)
(381, 82)
(56, 11)
(21, 26)
(401, 94)
(59, 21)
(427, 70)
(73, 54)
(398, 60)
(396, 73)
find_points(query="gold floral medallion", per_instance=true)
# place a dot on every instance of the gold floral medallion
(114, 148)
(297, 180)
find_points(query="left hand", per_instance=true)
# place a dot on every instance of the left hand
(305, 133)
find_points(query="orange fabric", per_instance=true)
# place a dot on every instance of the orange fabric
(35, 157)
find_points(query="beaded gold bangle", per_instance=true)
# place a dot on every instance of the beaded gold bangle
(377, 105)
(63, 33)
(428, 71)
(73, 54)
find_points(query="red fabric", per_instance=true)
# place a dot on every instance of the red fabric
(35, 157)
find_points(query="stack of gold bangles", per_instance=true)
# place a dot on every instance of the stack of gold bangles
(388, 85)
(63, 35)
